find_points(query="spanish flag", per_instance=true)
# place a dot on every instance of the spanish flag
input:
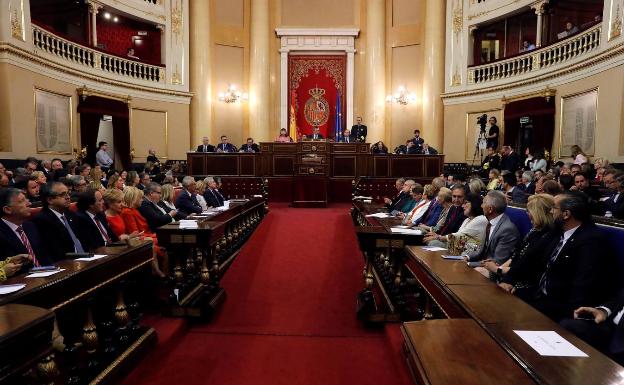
(293, 132)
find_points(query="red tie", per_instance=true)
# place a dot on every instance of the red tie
(101, 228)
(26, 243)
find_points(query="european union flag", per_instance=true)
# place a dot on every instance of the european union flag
(338, 123)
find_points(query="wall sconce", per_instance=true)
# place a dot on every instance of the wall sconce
(232, 95)
(402, 96)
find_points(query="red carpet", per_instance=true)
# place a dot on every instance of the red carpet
(289, 317)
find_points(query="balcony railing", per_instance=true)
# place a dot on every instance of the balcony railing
(546, 57)
(66, 50)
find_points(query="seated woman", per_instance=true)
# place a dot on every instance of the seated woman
(494, 183)
(539, 163)
(579, 156)
(521, 273)
(39, 176)
(283, 137)
(167, 201)
(445, 200)
(379, 148)
(115, 183)
(200, 188)
(12, 265)
(426, 194)
(127, 222)
(133, 179)
(471, 232)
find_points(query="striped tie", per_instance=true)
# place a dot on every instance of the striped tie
(26, 243)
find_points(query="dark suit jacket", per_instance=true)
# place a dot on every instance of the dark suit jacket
(510, 162)
(352, 139)
(398, 201)
(432, 151)
(180, 214)
(55, 236)
(226, 147)
(11, 245)
(582, 275)
(253, 148)
(359, 131)
(454, 220)
(616, 208)
(91, 234)
(210, 148)
(213, 198)
(187, 204)
(154, 217)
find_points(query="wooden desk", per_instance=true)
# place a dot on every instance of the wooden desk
(460, 293)
(201, 256)
(98, 334)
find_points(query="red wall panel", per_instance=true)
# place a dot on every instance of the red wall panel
(118, 37)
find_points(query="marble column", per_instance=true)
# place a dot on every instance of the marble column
(93, 11)
(259, 96)
(200, 71)
(539, 8)
(375, 82)
(432, 127)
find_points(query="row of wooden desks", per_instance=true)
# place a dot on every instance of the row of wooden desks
(476, 343)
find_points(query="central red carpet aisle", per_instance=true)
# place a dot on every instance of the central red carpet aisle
(289, 316)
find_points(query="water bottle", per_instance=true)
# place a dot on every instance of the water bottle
(608, 214)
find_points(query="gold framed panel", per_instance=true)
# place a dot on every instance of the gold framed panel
(53, 122)
(130, 126)
(579, 129)
(472, 130)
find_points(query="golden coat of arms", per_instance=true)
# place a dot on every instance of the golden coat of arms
(316, 109)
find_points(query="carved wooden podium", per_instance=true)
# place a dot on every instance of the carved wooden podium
(311, 172)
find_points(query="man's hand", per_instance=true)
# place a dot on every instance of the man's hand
(173, 213)
(11, 268)
(387, 200)
(490, 265)
(19, 259)
(599, 315)
(507, 287)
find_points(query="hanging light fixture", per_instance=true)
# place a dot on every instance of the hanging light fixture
(232, 95)
(402, 96)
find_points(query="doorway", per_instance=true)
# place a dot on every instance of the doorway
(530, 123)
(103, 119)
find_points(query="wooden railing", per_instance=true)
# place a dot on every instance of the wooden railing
(100, 61)
(546, 57)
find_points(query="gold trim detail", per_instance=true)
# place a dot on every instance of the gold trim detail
(546, 93)
(85, 92)
(17, 30)
(12, 49)
(458, 17)
(616, 25)
(71, 121)
(176, 78)
(177, 20)
(457, 80)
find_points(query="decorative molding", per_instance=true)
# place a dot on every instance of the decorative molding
(546, 93)
(354, 32)
(458, 17)
(457, 79)
(177, 20)
(539, 7)
(616, 24)
(17, 29)
(176, 78)
(84, 92)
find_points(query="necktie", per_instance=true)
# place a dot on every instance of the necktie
(486, 242)
(553, 257)
(26, 243)
(77, 245)
(102, 231)
(205, 149)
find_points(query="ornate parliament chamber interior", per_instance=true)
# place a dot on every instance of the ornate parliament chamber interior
(383, 192)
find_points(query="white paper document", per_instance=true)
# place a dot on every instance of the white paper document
(549, 343)
(43, 274)
(362, 197)
(453, 257)
(433, 248)
(8, 289)
(188, 224)
(379, 215)
(406, 231)
(88, 259)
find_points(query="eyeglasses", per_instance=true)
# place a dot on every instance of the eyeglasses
(458, 196)
(63, 194)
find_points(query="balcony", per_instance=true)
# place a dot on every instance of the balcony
(96, 62)
(549, 57)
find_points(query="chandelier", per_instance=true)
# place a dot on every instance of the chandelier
(232, 95)
(402, 96)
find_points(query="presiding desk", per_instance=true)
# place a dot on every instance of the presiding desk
(201, 255)
(474, 342)
(80, 325)
(308, 173)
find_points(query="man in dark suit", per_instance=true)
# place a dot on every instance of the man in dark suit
(614, 203)
(359, 131)
(418, 141)
(316, 134)
(401, 196)
(455, 216)
(187, 200)
(154, 214)
(212, 195)
(524, 190)
(250, 146)
(428, 150)
(17, 235)
(580, 265)
(225, 146)
(602, 326)
(347, 137)
(57, 225)
(510, 160)
(92, 220)
(205, 146)
(501, 235)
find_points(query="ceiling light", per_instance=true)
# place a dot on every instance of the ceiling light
(115, 19)
(107, 15)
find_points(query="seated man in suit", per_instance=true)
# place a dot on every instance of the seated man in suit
(57, 225)
(501, 235)
(428, 150)
(614, 202)
(580, 265)
(17, 235)
(155, 215)
(525, 189)
(455, 216)
(205, 146)
(347, 137)
(92, 220)
(391, 203)
(316, 134)
(601, 326)
(250, 146)
(225, 146)
(187, 201)
(212, 195)
(404, 204)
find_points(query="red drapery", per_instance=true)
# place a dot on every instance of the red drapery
(327, 72)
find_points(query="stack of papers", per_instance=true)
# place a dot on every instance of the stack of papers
(188, 224)
(88, 259)
(405, 230)
(549, 343)
(43, 274)
(379, 215)
(433, 248)
(8, 289)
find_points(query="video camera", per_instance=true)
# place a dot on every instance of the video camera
(482, 121)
